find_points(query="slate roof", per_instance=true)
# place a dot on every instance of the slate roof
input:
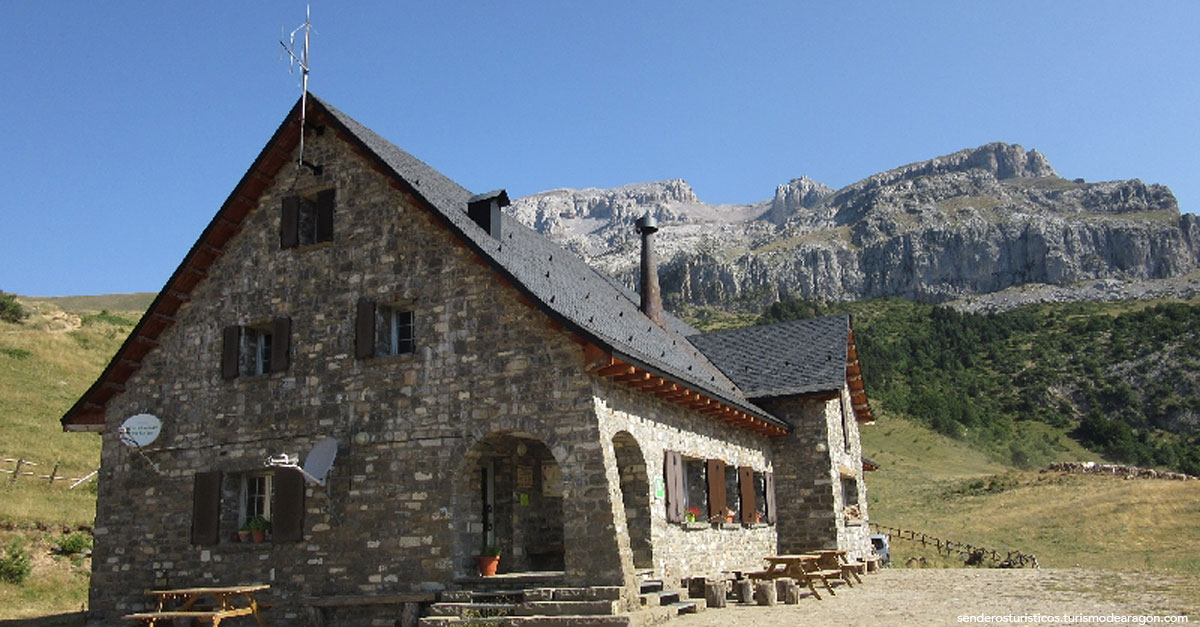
(562, 282)
(783, 359)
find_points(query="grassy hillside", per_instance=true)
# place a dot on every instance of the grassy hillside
(1124, 379)
(139, 302)
(937, 485)
(46, 362)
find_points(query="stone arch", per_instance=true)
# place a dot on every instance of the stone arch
(508, 492)
(635, 497)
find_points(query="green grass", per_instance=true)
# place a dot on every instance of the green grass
(138, 302)
(936, 485)
(46, 364)
(57, 585)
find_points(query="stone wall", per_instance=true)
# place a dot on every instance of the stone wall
(679, 549)
(398, 510)
(811, 462)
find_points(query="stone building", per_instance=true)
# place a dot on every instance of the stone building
(484, 387)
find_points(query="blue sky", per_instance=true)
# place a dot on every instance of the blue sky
(124, 126)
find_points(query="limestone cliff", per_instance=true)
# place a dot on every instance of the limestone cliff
(974, 222)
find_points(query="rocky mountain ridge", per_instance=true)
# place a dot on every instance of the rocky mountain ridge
(975, 222)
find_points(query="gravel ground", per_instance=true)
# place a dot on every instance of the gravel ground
(939, 596)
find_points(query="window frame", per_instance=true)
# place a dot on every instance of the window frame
(267, 497)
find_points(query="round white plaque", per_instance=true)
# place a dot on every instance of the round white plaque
(140, 429)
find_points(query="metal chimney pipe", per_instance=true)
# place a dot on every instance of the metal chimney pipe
(651, 295)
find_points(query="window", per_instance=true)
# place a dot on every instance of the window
(255, 497)
(850, 507)
(383, 329)
(255, 350)
(764, 497)
(696, 488)
(221, 504)
(307, 219)
(733, 504)
(396, 330)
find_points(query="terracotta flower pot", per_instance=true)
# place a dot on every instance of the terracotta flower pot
(488, 564)
(259, 535)
(244, 536)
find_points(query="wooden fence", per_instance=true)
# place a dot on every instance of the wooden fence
(25, 468)
(970, 553)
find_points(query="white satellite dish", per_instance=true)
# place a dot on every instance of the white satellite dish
(140, 430)
(320, 459)
(316, 465)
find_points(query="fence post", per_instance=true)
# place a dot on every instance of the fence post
(53, 472)
(16, 470)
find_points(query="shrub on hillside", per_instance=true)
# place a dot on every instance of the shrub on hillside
(77, 542)
(10, 309)
(15, 563)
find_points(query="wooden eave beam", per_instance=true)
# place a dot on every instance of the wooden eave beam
(619, 368)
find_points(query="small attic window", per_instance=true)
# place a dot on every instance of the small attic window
(307, 219)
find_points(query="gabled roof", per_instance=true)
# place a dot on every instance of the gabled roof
(795, 358)
(551, 278)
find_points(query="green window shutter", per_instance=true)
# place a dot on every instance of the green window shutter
(206, 507)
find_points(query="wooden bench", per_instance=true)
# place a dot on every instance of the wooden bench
(215, 616)
(410, 605)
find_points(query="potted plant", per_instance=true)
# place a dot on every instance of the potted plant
(489, 559)
(692, 514)
(243, 533)
(728, 515)
(258, 527)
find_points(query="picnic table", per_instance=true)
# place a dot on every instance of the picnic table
(226, 602)
(835, 559)
(803, 567)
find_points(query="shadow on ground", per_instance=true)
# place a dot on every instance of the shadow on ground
(74, 619)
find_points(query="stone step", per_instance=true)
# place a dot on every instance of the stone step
(693, 606)
(567, 608)
(623, 620)
(472, 610)
(651, 585)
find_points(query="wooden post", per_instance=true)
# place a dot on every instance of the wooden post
(765, 592)
(791, 594)
(745, 591)
(16, 471)
(53, 472)
(714, 593)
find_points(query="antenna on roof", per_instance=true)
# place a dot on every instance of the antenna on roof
(300, 61)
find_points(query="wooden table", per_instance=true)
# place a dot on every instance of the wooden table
(223, 604)
(835, 559)
(803, 567)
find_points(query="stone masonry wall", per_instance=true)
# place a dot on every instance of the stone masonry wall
(682, 550)
(396, 515)
(811, 462)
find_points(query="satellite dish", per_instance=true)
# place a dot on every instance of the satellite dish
(320, 460)
(140, 430)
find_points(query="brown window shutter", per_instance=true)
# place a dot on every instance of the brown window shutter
(770, 478)
(231, 336)
(287, 524)
(281, 344)
(673, 471)
(716, 489)
(206, 507)
(746, 488)
(289, 223)
(325, 216)
(364, 329)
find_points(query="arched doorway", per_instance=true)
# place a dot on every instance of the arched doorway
(635, 496)
(510, 495)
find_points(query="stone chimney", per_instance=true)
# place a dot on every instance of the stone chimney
(484, 210)
(651, 295)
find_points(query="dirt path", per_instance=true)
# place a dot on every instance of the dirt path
(899, 596)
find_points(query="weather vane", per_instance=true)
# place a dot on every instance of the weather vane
(300, 61)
